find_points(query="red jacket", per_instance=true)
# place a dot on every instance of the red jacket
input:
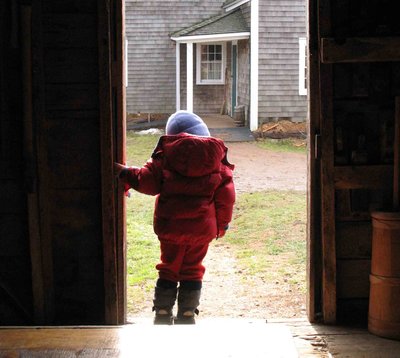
(193, 182)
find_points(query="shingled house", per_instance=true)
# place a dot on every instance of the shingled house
(212, 56)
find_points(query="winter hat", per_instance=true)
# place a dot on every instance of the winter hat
(186, 122)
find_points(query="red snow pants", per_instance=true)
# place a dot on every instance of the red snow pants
(182, 262)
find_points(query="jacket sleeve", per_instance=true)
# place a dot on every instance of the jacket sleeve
(146, 180)
(224, 199)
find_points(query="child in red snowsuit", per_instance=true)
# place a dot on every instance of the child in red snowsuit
(192, 179)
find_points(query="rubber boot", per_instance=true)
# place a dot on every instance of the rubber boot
(164, 300)
(188, 301)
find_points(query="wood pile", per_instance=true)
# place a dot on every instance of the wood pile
(282, 129)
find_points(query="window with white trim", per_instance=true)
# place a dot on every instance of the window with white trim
(303, 66)
(210, 65)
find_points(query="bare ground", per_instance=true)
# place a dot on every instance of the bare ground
(227, 290)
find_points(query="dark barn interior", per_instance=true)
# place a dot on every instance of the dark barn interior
(61, 122)
(62, 126)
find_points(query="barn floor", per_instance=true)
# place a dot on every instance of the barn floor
(209, 338)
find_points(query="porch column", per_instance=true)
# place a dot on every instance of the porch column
(254, 66)
(178, 75)
(189, 76)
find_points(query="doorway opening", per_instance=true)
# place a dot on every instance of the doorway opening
(259, 268)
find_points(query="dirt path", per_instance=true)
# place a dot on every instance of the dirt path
(227, 291)
(257, 169)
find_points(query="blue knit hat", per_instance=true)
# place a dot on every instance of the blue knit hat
(186, 122)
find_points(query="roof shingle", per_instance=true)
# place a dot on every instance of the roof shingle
(225, 23)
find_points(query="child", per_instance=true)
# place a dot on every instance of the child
(192, 179)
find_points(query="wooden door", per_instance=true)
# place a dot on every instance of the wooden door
(77, 211)
(15, 271)
(112, 87)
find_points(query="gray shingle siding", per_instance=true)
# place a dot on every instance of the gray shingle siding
(151, 57)
(151, 53)
(281, 23)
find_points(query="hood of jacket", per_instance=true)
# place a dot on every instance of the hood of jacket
(192, 156)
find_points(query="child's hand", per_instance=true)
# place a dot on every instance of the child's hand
(118, 168)
(221, 233)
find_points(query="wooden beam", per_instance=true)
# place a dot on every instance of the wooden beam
(31, 170)
(363, 177)
(314, 267)
(119, 129)
(360, 49)
(396, 160)
(44, 185)
(328, 200)
(327, 185)
(107, 159)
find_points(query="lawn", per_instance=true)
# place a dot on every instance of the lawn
(267, 233)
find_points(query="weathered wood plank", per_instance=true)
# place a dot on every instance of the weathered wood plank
(328, 201)
(78, 259)
(327, 185)
(353, 240)
(353, 278)
(107, 160)
(360, 49)
(69, 6)
(71, 65)
(363, 177)
(311, 340)
(74, 159)
(396, 157)
(44, 184)
(71, 97)
(119, 126)
(314, 264)
(31, 174)
(69, 31)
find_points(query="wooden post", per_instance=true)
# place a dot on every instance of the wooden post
(107, 159)
(40, 130)
(30, 171)
(327, 171)
(396, 156)
(313, 169)
(119, 130)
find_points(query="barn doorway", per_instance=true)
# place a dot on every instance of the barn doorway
(146, 257)
(258, 269)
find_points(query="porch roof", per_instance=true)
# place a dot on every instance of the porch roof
(233, 4)
(227, 23)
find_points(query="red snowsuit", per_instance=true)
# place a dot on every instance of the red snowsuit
(195, 195)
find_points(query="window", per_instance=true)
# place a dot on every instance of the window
(303, 66)
(210, 63)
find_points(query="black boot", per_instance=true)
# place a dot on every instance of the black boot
(188, 301)
(164, 300)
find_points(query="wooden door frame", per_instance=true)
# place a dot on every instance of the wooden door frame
(314, 185)
(112, 129)
(321, 249)
(113, 138)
